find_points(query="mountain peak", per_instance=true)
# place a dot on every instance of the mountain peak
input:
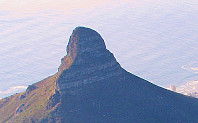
(84, 40)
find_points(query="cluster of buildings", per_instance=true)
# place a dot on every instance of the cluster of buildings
(189, 89)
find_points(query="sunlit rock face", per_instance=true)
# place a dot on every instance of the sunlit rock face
(93, 87)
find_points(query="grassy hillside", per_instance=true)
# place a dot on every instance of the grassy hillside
(28, 105)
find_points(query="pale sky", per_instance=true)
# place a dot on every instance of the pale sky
(23, 6)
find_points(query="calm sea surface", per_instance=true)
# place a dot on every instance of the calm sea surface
(156, 41)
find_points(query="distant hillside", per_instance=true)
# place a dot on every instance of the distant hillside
(92, 87)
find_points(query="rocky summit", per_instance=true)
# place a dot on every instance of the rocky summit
(91, 87)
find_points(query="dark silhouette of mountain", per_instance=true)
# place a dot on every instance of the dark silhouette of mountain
(92, 87)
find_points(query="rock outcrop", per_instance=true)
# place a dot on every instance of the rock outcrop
(91, 61)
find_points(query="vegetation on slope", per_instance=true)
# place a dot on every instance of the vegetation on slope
(33, 105)
(29, 105)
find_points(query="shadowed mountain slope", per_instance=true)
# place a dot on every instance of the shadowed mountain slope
(92, 87)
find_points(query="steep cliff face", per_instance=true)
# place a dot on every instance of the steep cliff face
(82, 41)
(92, 87)
(90, 61)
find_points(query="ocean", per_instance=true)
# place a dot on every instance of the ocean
(156, 40)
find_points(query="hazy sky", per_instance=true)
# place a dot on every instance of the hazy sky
(155, 39)
(23, 6)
